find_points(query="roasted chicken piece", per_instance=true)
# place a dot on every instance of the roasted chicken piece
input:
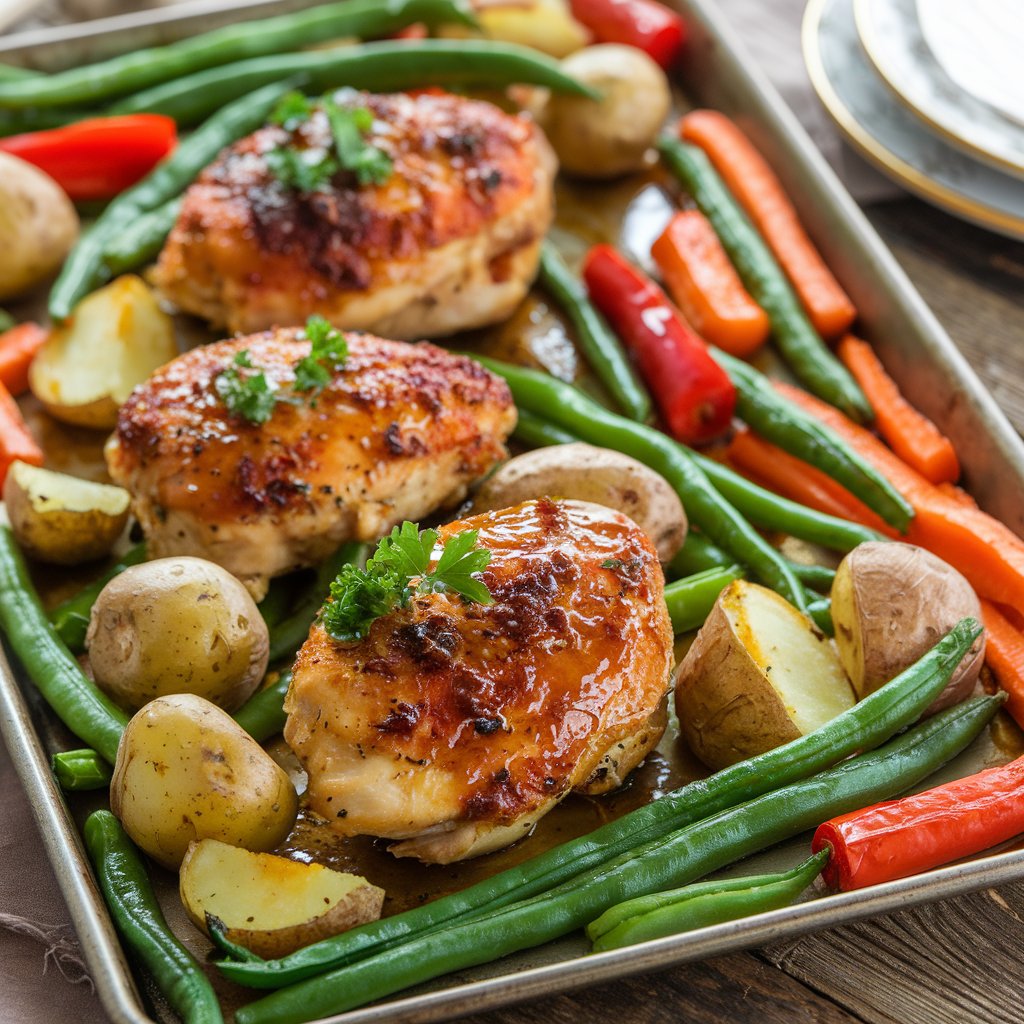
(399, 431)
(453, 726)
(449, 241)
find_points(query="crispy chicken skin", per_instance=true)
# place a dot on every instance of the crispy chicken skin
(400, 431)
(453, 726)
(449, 241)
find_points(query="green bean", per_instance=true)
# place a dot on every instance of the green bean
(602, 348)
(377, 67)
(819, 577)
(244, 40)
(77, 770)
(690, 600)
(820, 612)
(18, 122)
(141, 241)
(137, 916)
(539, 433)
(542, 394)
(783, 423)
(88, 713)
(71, 619)
(10, 73)
(85, 268)
(697, 554)
(806, 354)
(701, 904)
(262, 715)
(870, 722)
(675, 859)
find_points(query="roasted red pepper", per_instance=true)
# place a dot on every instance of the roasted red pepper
(692, 392)
(100, 157)
(903, 837)
(645, 24)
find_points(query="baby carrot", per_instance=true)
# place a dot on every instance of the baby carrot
(18, 348)
(16, 443)
(705, 286)
(1004, 655)
(910, 434)
(760, 193)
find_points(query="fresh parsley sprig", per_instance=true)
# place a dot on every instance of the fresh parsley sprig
(246, 390)
(400, 568)
(327, 353)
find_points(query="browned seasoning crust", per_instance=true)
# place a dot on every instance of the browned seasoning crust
(449, 241)
(455, 726)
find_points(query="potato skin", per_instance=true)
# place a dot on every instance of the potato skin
(607, 138)
(185, 770)
(177, 625)
(51, 517)
(587, 473)
(891, 603)
(38, 226)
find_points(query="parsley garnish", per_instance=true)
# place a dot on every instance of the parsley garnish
(359, 596)
(249, 395)
(304, 170)
(612, 563)
(292, 109)
(349, 126)
(328, 351)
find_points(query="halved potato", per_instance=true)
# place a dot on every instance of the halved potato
(758, 675)
(113, 341)
(545, 25)
(587, 473)
(270, 904)
(893, 602)
(62, 519)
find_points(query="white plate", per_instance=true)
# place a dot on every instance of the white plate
(888, 135)
(894, 40)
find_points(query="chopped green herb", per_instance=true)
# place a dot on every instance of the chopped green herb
(249, 395)
(349, 126)
(612, 563)
(360, 596)
(292, 109)
(328, 352)
(305, 170)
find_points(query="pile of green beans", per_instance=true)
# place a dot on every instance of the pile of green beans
(805, 353)
(245, 40)
(671, 860)
(700, 905)
(378, 67)
(869, 723)
(602, 348)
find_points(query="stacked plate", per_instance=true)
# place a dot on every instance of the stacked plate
(931, 92)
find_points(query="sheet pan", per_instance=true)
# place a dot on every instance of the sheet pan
(911, 343)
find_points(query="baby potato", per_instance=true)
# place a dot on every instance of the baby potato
(185, 770)
(893, 602)
(62, 519)
(177, 625)
(608, 137)
(586, 473)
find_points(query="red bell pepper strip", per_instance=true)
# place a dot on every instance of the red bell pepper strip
(16, 443)
(904, 837)
(18, 347)
(645, 24)
(100, 157)
(692, 392)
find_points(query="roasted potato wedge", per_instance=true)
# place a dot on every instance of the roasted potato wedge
(114, 340)
(62, 519)
(893, 602)
(270, 904)
(185, 770)
(758, 675)
(38, 226)
(586, 473)
(545, 25)
(177, 625)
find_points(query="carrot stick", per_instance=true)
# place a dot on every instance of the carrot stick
(911, 435)
(705, 286)
(760, 193)
(988, 553)
(18, 347)
(16, 443)
(797, 480)
(1004, 653)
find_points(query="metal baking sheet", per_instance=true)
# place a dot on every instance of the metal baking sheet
(920, 355)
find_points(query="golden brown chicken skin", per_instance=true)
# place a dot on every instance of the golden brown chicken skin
(449, 241)
(454, 726)
(400, 431)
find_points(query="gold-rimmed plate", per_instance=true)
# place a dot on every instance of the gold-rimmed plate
(892, 138)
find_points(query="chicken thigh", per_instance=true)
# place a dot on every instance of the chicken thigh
(450, 240)
(399, 431)
(453, 726)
